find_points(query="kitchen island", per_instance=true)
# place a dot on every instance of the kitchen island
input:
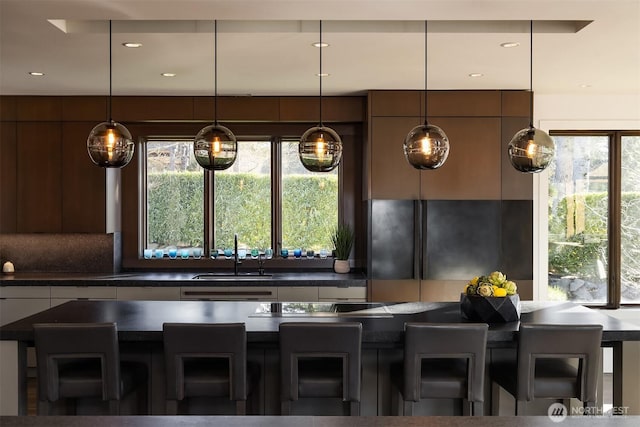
(140, 334)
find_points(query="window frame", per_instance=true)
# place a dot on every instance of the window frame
(349, 190)
(614, 206)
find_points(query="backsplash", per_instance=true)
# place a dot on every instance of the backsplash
(64, 253)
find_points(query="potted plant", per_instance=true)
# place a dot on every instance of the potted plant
(342, 239)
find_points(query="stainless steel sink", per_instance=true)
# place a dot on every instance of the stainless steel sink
(231, 277)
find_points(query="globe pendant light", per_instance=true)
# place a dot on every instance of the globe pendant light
(531, 150)
(320, 147)
(110, 144)
(426, 146)
(215, 147)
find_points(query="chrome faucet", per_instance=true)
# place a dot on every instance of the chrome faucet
(236, 258)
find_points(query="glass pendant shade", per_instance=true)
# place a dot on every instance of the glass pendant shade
(531, 150)
(110, 145)
(320, 149)
(215, 148)
(426, 147)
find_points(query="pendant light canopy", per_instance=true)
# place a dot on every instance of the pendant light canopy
(531, 150)
(320, 147)
(110, 144)
(215, 147)
(426, 146)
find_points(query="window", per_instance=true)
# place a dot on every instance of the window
(174, 196)
(267, 198)
(594, 218)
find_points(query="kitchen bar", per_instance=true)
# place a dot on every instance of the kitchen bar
(140, 333)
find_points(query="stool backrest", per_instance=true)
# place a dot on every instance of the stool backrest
(300, 340)
(60, 343)
(442, 341)
(184, 341)
(580, 342)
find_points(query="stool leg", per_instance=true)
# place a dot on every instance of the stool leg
(285, 407)
(407, 408)
(171, 407)
(354, 409)
(477, 409)
(241, 407)
(114, 407)
(44, 408)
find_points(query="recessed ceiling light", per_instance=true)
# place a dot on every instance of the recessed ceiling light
(323, 74)
(585, 86)
(318, 44)
(168, 74)
(476, 74)
(132, 45)
(36, 73)
(510, 44)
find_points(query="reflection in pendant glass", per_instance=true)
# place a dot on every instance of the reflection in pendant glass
(110, 145)
(426, 147)
(531, 150)
(215, 148)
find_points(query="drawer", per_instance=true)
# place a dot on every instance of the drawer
(83, 292)
(24, 292)
(148, 293)
(298, 293)
(331, 293)
(233, 293)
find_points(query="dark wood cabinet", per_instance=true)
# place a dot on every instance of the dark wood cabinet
(39, 177)
(83, 183)
(8, 191)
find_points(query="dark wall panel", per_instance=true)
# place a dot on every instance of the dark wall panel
(461, 239)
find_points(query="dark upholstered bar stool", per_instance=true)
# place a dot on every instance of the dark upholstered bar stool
(206, 360)
(320, 360)
(442, 361)
(543, 368)
(81, 360)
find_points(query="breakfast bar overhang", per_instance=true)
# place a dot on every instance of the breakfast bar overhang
(140, 323)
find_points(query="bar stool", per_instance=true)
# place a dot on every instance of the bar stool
(320, 360)
(543, 368)
(442, 361)
(81, 360)
(207, 360)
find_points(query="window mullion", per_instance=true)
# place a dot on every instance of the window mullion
(276, 194)
(615, 219)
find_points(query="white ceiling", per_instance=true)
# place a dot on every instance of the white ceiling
(264, 46)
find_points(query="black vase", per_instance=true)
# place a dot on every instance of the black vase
(477, 308)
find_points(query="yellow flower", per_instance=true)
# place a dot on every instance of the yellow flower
(499, 292)
(474, 281)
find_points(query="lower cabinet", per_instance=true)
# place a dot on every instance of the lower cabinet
(234, 293)
(62, 294)
(148, 293)
(17, 302)
(298, 293)
(334, 293)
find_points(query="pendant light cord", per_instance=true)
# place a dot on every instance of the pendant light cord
(215, 71)
(109, 113)
(320, 75)
(531, 73)
(425, 72)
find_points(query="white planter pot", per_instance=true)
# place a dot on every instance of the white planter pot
(341, 266)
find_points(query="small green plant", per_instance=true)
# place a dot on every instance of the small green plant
(342, 239)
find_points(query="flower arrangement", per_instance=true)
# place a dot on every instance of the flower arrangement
(493, 285)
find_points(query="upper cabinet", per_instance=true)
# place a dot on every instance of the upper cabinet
(479, 125)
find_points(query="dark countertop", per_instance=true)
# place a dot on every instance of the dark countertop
(322, 278)
(310, 421)
(142, 320)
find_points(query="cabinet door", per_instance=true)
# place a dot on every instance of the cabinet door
(83, 183)
(8, 193)
(39, 172)
(233, 293)
(389, 174)
(395, 290)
